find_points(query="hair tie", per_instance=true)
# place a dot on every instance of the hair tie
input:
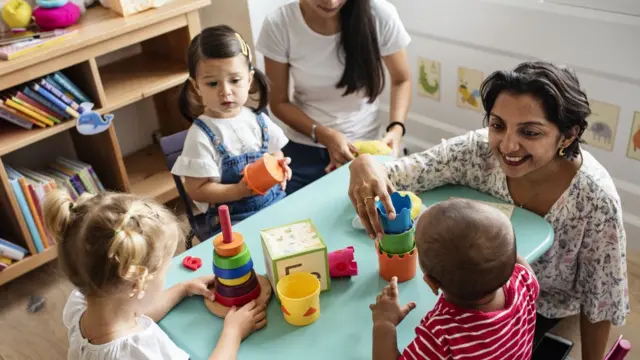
(244, 48)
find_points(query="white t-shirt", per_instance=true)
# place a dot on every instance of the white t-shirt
(151, 343)
(241, 134)
(315, 68)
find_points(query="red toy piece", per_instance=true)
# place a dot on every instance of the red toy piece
(192, 262)
(342, 263)
(225, 224)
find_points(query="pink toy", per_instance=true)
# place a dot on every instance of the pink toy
(56, 18)
(342, 263)
(619, 350)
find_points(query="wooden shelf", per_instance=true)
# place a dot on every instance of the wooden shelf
(13, 138)
(132, 79)
(27, 264)
(149, 176)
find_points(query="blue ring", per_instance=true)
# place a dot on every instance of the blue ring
(233, 273)
(51, 4)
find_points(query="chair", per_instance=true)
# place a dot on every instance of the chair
(172, 146)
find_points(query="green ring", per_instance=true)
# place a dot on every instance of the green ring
(233, 262)
(399, 243)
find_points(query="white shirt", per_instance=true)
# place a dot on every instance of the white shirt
(586, 266)
(151, 343)
(316, 68)
(241, 134)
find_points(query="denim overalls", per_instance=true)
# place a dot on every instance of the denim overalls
(231, 173)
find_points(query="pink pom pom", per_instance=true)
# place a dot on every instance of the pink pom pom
(56, 18)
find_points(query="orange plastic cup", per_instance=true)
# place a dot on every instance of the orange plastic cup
(403, 266)
(263, 174)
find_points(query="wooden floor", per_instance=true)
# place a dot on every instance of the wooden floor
(42, 335)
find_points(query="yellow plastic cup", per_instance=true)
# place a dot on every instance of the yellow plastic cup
(299, 295)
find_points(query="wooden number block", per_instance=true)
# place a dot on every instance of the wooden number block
(293, 248)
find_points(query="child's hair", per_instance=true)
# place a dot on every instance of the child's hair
(110, 242)
(467, 247)
(218, 42)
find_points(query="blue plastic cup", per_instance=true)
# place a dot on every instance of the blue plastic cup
(402, 222)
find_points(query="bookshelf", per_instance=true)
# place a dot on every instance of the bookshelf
(156, 72)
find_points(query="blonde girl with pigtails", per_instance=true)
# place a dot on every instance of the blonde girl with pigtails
(116, 249)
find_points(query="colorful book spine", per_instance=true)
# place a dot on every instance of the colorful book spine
(11, 250)
(57, 102)
(61, 88)
(61, 79)
(24, 208)
(39, 98)
(21, 115)
(29, 112)
(14, 118)
(36, 104)
(52, 89)
(41, 115)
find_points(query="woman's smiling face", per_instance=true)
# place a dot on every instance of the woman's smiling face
(521, 136)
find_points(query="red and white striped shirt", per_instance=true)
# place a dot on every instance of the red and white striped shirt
(450, 332)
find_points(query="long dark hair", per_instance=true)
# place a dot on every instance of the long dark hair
(359, 40)
(556, 87)
(218, 42)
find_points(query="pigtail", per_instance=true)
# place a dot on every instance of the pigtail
(260, 85)
(189, 102)
(129, 249)
(57, 213)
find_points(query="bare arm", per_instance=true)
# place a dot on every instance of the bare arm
(203, 190)
(400, 75)
(593, 337)
(385, 342)
(167, 301)
(282, 108)
(227, 347)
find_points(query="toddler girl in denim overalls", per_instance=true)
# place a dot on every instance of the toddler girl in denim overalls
(226, 136)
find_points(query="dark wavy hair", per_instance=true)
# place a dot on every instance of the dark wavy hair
(218, 42)
(555, 86)
(363, 68)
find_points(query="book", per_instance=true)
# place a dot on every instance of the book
(11, 250)
(55, 91)
(14, 177)
(20, 106)
(39, 98)
(19, 114)
(14, 118)
(12, 51)
(50, 114)
(57, 102)
(64, 81)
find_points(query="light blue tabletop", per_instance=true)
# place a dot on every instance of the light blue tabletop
(343, 330)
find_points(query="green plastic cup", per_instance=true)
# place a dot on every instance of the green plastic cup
(399, 243)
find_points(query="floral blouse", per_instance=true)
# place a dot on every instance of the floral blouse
(586, 264)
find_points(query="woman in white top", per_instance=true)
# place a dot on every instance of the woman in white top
(530, 156)
(334, 51)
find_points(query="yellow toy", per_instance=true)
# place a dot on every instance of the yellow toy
(17, 14)
(373, 147)
(416, 203)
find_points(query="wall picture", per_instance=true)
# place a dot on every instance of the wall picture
(429, 78)
(468, 89)
(603, 122)
(634, 143)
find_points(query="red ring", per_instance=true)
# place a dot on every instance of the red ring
(240, 300)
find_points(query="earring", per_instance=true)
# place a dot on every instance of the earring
(561, 151)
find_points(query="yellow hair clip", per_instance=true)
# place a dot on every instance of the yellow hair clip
(243, 45)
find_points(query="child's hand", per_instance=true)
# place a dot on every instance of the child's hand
(247, 319)
(284, 163)
(387, 309)
(201, 286)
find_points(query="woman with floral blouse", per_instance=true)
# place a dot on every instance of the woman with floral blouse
(530, 155)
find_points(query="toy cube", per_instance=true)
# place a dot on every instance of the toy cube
(292, 248)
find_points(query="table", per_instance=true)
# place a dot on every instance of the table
(343, 330)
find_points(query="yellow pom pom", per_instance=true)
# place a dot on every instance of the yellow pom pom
(373, 147)
(416, 203)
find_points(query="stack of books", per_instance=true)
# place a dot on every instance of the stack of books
(31, 186)
(13, 45)
(42, 103)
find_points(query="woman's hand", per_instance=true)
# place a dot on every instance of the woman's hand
(201, 286)
(369, 180)
(393, 138)
(341, 151)
(387, 309)
(249, 318)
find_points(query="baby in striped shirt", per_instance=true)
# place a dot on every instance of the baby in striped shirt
(487, 306)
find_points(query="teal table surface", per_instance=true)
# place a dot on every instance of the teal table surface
(343, 330)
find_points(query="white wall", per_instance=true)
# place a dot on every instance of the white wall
(497, 34)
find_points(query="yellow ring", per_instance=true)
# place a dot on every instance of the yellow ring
(236, 281)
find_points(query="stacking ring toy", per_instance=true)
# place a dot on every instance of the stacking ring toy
(234, 282)
(233, 273)
(232, 262)
(232, 248)
(237, 291)
(240, 300)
